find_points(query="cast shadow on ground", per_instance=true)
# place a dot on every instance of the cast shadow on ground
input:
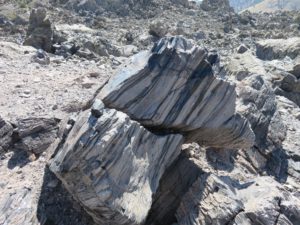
(56, 206)
(19, 158)
(278, 165)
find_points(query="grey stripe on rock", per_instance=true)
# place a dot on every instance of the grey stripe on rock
(112, 165)
(114, 157)
(173, 87)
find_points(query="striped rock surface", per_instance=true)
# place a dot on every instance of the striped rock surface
(174, 87)
(222, 200)
(35, 134)
(112, 165)
(6, 131)
(18, 208)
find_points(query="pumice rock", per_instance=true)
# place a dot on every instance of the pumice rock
(174, 87)
(112, 165)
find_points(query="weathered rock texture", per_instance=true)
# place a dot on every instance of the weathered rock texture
(40, 31)
(261, 201)
(208, 194)
(213, 186)
(207, 185)
(229, 188)
(6, 131)
(18, 208)
(174, 87)
(215, 5)
(35, 135)
(112, 165)
(278, 48)
(289, 87)
(273, 118)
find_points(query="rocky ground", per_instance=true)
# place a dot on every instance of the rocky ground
(56, 57)
(30, 89)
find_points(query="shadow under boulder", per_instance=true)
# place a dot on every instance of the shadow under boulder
(56, 206)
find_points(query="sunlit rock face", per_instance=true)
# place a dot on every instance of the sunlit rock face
(174, 87)
(114, 157)
(112, 165)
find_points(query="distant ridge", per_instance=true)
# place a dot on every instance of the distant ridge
(240, 5)
(265, 5)
(274, 5)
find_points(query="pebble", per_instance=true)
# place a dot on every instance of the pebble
(94, 74)
(297, 116)
(97, 108)
(102, 66)
(32, 157)
(37, 80)
(2, 184)
(242, 49)
(24, 95)
(87, 85)
(52, 184)
(27, 92)
(38, 107)
(54, 107)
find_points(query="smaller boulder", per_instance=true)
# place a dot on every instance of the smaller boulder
(296, 70)
(6, 131)
(129, 50)
(242, 49)
(41, 57)
(40, 31)
(129, 36)
(66, 49)
(158, 29)
(271, 49)
(35, 135)
(20, 20)
(199, 35)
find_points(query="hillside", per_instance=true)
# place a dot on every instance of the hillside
(240, 5)
(274, 5)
